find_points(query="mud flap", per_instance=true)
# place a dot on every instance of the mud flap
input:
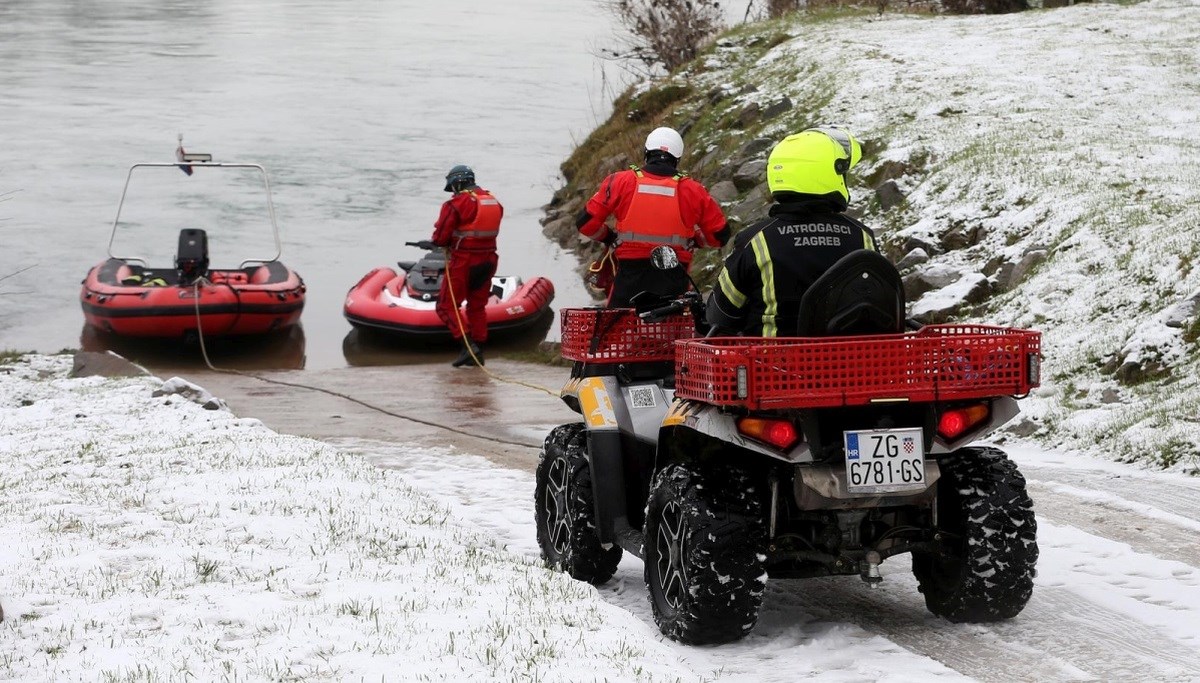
(608, 483)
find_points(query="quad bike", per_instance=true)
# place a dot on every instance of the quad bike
(721, 461)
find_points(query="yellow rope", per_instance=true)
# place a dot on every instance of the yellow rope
(467, 344)
(338, 394)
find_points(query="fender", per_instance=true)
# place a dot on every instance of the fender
(592, 397)
(713, 422)
(1003, 409)
(622, 420)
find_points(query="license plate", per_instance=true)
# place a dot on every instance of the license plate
(884, 460)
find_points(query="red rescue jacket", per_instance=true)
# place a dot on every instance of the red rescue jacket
(653, 218)
(480, 234)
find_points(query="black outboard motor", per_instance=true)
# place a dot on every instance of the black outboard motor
(191, 259)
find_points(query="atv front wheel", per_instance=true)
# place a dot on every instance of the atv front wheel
(565, 509)
(989, 554)
(704, 544)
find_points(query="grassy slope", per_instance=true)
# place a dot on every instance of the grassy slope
(1072, 131)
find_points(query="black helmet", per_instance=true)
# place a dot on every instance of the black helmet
(459, 176)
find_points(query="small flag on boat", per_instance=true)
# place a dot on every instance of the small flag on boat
(186, 168)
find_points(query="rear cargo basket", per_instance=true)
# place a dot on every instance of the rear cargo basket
(618, 335)
(936, 363)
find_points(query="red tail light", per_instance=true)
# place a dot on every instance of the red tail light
(955, 423)
(781, 434)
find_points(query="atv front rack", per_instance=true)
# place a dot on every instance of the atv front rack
(618, 335)
(935, 363)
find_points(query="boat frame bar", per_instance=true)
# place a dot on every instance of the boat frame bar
(194, 161)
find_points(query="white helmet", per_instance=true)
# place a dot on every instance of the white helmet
(665, 140)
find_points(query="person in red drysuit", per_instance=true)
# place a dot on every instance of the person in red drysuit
(467, 228)
(654, 204)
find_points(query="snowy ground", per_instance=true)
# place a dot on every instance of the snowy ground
(150, 539)
(147, 538)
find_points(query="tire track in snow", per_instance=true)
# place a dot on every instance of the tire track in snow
(500, 501)
(1059, 637)
(1115, 521)
(1174, 496)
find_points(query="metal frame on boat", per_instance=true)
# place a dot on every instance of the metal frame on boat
(125, 297)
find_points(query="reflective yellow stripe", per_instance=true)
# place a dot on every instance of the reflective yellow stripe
(868, 243)
(766, 270)
(735, 297)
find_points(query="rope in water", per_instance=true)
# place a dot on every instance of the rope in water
(337, 394)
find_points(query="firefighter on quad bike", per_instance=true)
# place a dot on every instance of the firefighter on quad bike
(724, 460)
(775, 260)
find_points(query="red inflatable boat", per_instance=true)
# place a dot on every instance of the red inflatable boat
(130, 300)
(401, 302)
(126, 297)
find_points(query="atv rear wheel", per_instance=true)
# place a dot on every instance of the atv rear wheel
(565, 509)
(704, 544)
(985, 571)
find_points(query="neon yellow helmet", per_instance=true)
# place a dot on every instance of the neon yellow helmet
(814, 162)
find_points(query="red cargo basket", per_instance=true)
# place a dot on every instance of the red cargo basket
(618, 335)
(936, 363)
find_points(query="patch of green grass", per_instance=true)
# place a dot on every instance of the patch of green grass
(771, 41)
(547, 353)
(9, 356)
(653, 102)
(1191, 333)
(1185, 265)
(356, 608)
(206, 570)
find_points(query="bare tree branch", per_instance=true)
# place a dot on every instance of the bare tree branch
(664, 34)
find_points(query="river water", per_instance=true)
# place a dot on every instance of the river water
(356, 108)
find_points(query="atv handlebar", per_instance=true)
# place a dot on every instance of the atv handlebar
(687, 300)
(423, 244)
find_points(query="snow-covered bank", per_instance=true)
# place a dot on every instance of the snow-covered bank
(1037, 169)
(1055, 152)
(146, 538)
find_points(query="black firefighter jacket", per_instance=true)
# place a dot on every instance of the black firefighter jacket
(775, 260)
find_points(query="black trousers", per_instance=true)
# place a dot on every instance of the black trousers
(635, 276)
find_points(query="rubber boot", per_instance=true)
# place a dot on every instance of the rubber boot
(464, 357)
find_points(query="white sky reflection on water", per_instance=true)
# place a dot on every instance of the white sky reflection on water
(356, 109)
